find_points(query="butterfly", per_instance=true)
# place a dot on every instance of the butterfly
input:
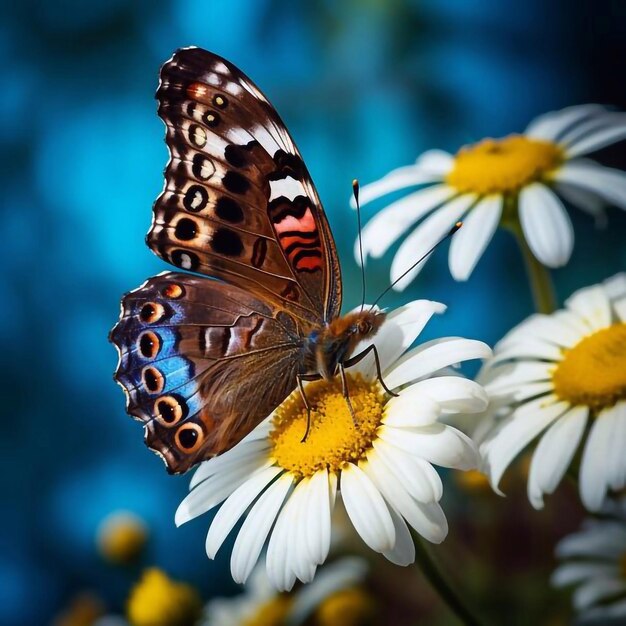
(204, 357)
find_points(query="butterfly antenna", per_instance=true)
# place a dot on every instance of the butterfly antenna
(447, 236)
(355, 191)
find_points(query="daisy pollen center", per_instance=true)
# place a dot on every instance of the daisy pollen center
(335, 438)
(593, 372)
(502, 165)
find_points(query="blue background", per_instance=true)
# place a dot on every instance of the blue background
(363, 86)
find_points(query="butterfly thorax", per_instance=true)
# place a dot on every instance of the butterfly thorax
(336, 342)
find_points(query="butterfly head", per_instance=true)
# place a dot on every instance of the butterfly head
(339, 340)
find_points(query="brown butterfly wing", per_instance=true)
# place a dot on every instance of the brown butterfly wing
(202, 363)
(238, 202)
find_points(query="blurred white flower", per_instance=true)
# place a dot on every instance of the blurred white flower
(594, 561)
(532, 169)
(559, 372)
(380, 462)
(261, 604)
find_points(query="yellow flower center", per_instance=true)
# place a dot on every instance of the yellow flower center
(502, 165)
(350, 607)
(334, 438)
(157, 600)
(121, 537)
(272, 613)
(593, 372)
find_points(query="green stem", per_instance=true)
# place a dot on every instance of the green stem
(538, 275)
(441, 585)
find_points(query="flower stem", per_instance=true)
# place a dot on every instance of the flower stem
(538, 275)
(441, 585)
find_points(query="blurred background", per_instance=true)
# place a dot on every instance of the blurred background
(364, 86)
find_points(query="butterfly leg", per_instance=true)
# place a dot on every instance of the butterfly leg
(300, 378)
(359, 357)
(346, 394)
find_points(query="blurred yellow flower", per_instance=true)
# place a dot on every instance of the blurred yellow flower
(157, 600)
(83, 610)
(350, 607)
(121, 537)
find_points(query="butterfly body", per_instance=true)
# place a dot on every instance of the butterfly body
(204, 359)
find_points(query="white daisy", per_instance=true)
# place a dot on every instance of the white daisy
(382, 469)
(595, 562)
(261, 605)
(557, 373)
(515, 181)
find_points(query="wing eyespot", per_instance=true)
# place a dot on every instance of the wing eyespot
(149, 344)
(189, 437)
(153, 379)
(151, 312)
(173, 291)
(220, 101)
(169, 410)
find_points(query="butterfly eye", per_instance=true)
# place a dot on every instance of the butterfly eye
(189, 437)
(151, 312)
(173, 291)
(149, 344)
(153, 380)
(169, 410)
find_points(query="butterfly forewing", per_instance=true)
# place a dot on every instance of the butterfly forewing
(238, 202)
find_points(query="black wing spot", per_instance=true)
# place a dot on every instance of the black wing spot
(196, 198)
(220, 101)
(202, 167)
(228, 210)
(236, 183)
(235, 155)
(185, 259)
(211, 118)
(225, 241)
(186, 229)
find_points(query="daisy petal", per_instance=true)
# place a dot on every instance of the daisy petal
(554, 453)
(437, 162)
(403, 553)
(216, 488)
(601, 138)
(438, 444)
(411, 410)
(595, 590)
(319, 525)
(573, 573)
(433, 356)
(469, 243)
(417, 476)
(427, 519)
(367, 509)
(551, 125)
(597, 461)
(597, 540)
(406, 176)
(454, 394)
(608, 183)
(393, 221)
(234, 457)
(525, 424)
(592, 305)
(235, 506)
(425, 236)
(256, 527)
(546, 225)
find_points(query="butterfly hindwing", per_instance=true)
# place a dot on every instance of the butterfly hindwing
(202, 363)
(238, 202)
